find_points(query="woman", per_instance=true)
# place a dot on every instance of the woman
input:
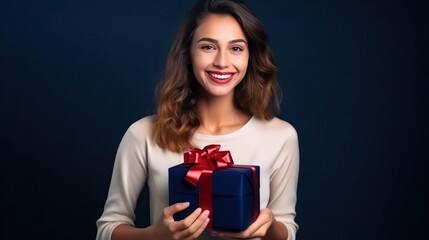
(219, 88)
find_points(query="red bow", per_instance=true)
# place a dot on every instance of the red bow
(207, 159)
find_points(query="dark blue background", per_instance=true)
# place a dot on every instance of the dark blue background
(76, 74)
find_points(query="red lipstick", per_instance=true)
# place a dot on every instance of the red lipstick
(220, 77)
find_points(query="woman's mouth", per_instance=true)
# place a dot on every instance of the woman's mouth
(220, 78)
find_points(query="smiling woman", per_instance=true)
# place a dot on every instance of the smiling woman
(219, 88)
(219, 55)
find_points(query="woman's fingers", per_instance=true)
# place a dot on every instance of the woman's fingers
(189, 220)
(171, 210)
(202, 227)
(199, 226)
(189, 228)
(192, 225)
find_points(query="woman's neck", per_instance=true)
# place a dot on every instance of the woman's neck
(220, 116)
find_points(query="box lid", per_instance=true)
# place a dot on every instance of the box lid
(232, 181)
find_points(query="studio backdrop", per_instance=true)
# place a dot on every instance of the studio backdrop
(76, 74)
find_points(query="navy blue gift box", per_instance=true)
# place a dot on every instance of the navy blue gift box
(235, 204)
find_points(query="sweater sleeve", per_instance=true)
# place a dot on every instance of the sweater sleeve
(128, 178)
(283, 183)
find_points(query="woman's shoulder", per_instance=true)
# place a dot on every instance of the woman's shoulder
(143, 122)
(275, 125)
(143, 126)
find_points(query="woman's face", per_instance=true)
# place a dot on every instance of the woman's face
(219, 54)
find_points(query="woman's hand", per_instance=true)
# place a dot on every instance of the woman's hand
(189, 228)
(256, 230)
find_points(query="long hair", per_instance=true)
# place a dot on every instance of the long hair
(257, 94)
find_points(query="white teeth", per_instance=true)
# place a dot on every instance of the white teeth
(221, 76)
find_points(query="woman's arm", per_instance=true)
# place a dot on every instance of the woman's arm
(128, 177)
(276, 231)
(128, 232)
(166, 228)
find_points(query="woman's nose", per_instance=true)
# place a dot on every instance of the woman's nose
(221, 60)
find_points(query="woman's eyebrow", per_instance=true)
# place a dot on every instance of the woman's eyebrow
(216, 41)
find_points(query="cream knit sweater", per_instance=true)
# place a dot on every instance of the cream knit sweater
(273, 145)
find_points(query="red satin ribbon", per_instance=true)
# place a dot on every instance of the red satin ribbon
(203, 162)
(208, 158)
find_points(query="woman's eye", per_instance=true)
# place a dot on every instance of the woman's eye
(208, 47)
(236, 49)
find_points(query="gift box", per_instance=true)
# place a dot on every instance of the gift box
(209, 179)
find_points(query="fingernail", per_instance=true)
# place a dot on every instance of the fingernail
(206, 212)
(186, 204)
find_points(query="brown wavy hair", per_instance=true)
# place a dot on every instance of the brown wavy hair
(257, 94)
